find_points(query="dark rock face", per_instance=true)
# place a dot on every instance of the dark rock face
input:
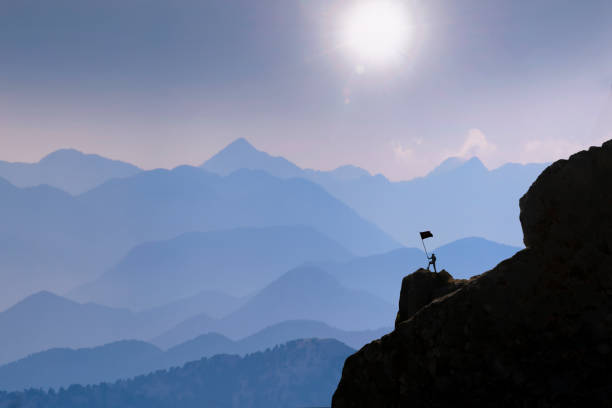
(570, 204)
(536, 331)
(420, 288)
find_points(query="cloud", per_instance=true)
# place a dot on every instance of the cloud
(476, 144)
(401, 152)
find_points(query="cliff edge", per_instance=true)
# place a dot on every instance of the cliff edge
(534, 331)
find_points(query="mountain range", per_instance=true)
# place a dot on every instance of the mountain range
(45, 320)
(382, 274)
(162, 204)
(326, 291)
(303, 293)
(161, 272)
(45, 242)
(238, 261)
(56, 241)
(457, 199)
(68, 170)
(300, 373)
(63, 367)
(169, 255)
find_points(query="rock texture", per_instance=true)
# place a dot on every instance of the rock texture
(535, 331)
(422, 287)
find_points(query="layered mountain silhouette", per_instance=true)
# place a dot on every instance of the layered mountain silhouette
(481, 202)
(299, 374)
(533, 331)
(56, 241)
(447, 166)
(302, 293)
(124, 359)
(240, 154)
(330, 293)
(238, 261)
(479, 205)
(468, 257)
(283, 332)
(68, 170)
(62, 367)
(382, 274)
(214, 304)
(44, 241)
(162, 204)
(368, 284)
(45, 320)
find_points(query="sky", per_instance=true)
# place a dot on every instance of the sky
(161, 83)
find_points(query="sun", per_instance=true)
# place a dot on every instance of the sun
(376, 32)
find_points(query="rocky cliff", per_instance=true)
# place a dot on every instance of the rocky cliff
(534, 331)
(421, 288)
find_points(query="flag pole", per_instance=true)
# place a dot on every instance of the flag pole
(426, 254)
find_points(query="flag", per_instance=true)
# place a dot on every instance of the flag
(426, 234)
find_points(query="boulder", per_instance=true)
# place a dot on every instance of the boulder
(535, 331)
(570, 205)
(421, 288)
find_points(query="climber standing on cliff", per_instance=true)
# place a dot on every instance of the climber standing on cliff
(432, 258)
(432, 261)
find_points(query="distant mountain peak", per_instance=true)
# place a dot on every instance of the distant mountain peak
(447, 165)
(452, 164)
(241, 142)
(62, 154)
(43, 294)
(240, 154)
(350, 172)
(238, 146)
(42, 299)
(67, 169)
(306, 275)
(69, 156)
(475, 162)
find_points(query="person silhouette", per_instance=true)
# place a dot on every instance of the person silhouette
(432, 261)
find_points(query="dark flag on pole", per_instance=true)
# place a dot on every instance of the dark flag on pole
(432, 258)
(426, 234)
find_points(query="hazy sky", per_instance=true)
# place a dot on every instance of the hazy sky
(161, 83)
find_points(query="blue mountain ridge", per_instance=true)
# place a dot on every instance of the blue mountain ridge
(66, 323)
(304, 293)
(71, 240)
(310, 370)
(68, 170)
(382, 274)
(459, 198)
(237, 261)
(128, 358)
(366, 284)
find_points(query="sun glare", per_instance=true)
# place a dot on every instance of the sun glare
(376, 31)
